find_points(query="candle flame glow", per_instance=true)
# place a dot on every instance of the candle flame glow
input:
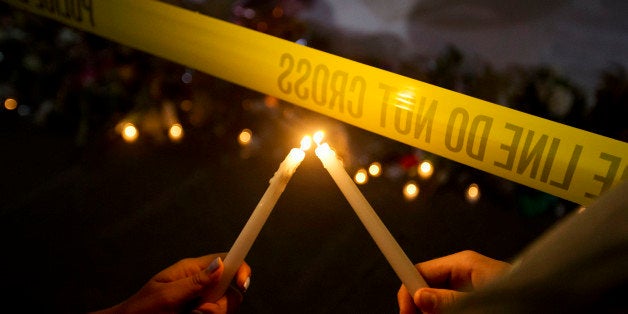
(324, 151)
(296, 156)
(306, 142)
(318, 137)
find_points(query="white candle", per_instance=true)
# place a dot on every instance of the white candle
(254, 225)
(401, 264)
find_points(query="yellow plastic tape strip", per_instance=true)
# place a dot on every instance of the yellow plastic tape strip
(567, 162)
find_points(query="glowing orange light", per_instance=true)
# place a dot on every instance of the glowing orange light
(176, 132)
(361, 177)
(324, 151)
(129, 132)
(375, 169)
(306, 142)
(426, 169)
(245, 137)
(410, 190)
(271, 102)
(318, 137)
(10, 104)
(473, 193)
(295, 156)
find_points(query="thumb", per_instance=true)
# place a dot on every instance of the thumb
(193, 286)
(431, 300)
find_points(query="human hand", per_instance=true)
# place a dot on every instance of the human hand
(449, 278)
(179, 288)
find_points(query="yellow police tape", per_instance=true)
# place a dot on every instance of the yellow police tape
(564, 161)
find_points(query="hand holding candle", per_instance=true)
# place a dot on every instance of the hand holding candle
(401, 264)
(254, 225)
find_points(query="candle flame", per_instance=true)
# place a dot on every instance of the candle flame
(318, 137)
(296, 156)
(306, 142)
(324, 151)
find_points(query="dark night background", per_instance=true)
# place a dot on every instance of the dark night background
(87, 218)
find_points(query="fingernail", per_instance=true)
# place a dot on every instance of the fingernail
(427, 299)
(246, 284)
(213, 266)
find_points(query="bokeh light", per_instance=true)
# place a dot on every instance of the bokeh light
(410, 190)
(245, 137)
(10, 104)
(271, 102)
(129, 132)
(176, 132)
(361, 176)
(375, 169)
(472, 194)
(425, 169)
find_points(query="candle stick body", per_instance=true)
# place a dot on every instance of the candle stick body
(401, 264)
(254, 225)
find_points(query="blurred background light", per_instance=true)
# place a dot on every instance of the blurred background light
(375, 169)
(245, 137)
(10, 104)
(176, 132)
(410, 190)
(129, 132)
(472, 194)
(361, 176)
(425, 169)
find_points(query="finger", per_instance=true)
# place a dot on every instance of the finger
(431, 300)
(220, 306)
(243, 277)
(228, 303)
(451, 271)
(191, 287)
(187, 267)
(406, 304)
(234, 299)
(205, 260)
